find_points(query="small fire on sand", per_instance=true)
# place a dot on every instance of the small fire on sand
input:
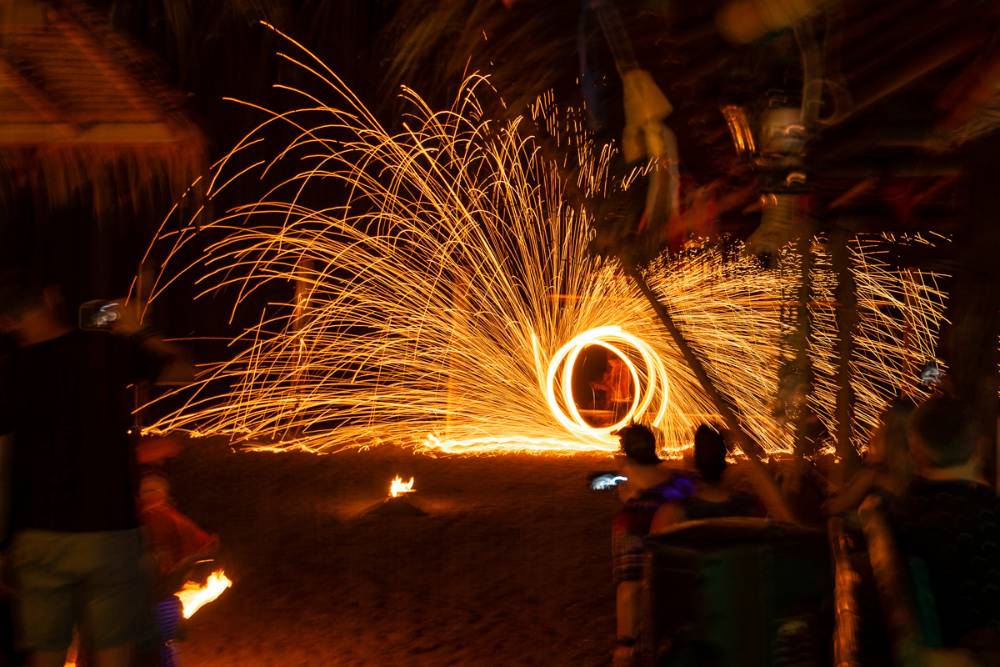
(398, 487)
(194, 596)
(396, 503)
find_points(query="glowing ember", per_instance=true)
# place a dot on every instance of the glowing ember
(399, 487)
(194, 596)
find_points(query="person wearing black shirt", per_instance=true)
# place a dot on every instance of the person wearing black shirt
(74, 554)
(948, 521)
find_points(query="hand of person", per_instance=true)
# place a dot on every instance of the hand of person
(211, 547)
(129, 319)
(626, 491)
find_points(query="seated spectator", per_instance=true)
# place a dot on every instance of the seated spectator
(888, 468)
(948, 519)
(716, 493)
(649, 485)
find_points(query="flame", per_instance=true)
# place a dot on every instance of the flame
(399, 487)
(194, 596)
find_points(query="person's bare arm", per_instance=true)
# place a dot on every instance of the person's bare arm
(766, 490)
(852, 495)
(669, 514)
(177, 368)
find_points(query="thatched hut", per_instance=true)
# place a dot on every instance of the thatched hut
(86, 131)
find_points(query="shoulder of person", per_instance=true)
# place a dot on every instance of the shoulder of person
(667, 515)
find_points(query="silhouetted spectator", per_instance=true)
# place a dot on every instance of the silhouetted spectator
(717, 490)
(949, 521)
(175, 540)
(888, 466)
(65, 405)
(649, 485)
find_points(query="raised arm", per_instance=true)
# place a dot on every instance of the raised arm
(669, 514)
(765, 489)
(176, 367)
(852, 495)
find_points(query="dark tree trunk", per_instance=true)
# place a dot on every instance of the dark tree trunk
(749, 447)
(847, 319)
(971, 341)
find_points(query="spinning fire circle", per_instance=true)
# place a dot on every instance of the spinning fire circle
(650, 384)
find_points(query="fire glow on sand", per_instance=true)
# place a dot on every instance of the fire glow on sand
(194, 596)
(444, 292)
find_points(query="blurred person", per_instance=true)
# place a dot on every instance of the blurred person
(948, 521)
(177, 545)
(649, 484)
(9, 655)
(717, 489)
(616, 383)
(176, 541)
(64, 405)
(888, 466)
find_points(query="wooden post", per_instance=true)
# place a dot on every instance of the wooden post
(847, 320)
(746, 444)
(460, 309)
(802, 367)
(140, 391)
(300, 320)
(974, 306)
(847, 609)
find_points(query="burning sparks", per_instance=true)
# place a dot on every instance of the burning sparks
(653, 383)
(194, 596)
(899, 315)
(398, 487)
(445, 293)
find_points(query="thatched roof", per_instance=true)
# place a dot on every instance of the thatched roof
(80, 113)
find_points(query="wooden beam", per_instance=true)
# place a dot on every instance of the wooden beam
(745, 443)
(28, 93)
(847, 319)
(33, 134)
(41, 134)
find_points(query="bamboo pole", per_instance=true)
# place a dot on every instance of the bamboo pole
(746, 444)
(904, 629)
(847, 320)
(802, 366)
(847, 610)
